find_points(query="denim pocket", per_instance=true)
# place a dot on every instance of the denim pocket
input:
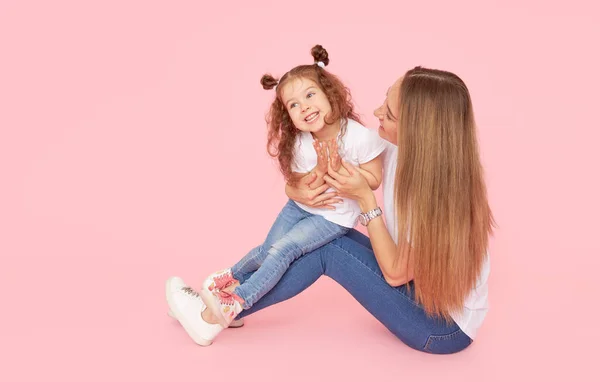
(447, 344)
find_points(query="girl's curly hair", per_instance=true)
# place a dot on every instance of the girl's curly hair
(281, 131)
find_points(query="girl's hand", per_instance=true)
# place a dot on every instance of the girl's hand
(334, 156)
(321, 149)
(353, 185)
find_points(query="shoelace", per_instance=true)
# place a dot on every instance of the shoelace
(190, 291)
(227, 298)
(223, 282)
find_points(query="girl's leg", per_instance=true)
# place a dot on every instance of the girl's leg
(289, 216)
(307, 235)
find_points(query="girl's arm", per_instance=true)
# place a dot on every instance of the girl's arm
(372, 170)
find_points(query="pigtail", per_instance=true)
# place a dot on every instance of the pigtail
(320, 55)
(268, 82)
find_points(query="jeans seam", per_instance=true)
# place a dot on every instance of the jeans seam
(379, 276)
(434, 337)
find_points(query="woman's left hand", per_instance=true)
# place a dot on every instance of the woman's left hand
(353, 186)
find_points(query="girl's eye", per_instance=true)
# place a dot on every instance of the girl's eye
(309, 95)
(293, 105)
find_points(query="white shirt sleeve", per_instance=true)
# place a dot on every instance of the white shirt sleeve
(369, 146)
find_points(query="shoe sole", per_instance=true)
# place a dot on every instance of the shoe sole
(234, 325)
(186, 326)
(211, 304)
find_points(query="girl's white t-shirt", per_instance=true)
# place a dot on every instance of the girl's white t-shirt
(359, 145)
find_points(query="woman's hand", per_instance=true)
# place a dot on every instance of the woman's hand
(353, 186)
(318, 198)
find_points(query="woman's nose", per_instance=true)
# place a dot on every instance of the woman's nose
(377, 113)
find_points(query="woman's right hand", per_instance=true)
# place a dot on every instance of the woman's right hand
(317, 198)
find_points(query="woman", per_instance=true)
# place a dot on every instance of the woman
(430, 287)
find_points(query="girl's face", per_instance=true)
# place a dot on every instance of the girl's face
(387, 114)
(306, 104)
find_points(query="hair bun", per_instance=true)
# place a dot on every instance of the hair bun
(268, 82)
(320, 54)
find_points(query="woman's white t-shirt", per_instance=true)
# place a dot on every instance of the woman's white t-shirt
(476, 304)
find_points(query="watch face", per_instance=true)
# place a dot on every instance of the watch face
(362, 219)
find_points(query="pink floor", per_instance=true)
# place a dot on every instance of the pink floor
(132, 149)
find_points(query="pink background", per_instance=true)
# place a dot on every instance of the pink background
(132, 148)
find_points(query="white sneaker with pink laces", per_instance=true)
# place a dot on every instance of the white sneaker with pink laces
(223, 304)
(211, 281)
(175, 283)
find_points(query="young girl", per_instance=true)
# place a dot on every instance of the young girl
(312, 127)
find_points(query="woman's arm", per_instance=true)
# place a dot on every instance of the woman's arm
(396, 270)
(394, 266)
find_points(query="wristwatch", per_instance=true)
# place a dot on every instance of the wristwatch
(366, 217)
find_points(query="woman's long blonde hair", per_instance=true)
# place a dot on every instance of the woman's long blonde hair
(440, 193)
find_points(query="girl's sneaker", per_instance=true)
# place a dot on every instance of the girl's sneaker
(219, 279)
(175, 283)
(223, 304)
